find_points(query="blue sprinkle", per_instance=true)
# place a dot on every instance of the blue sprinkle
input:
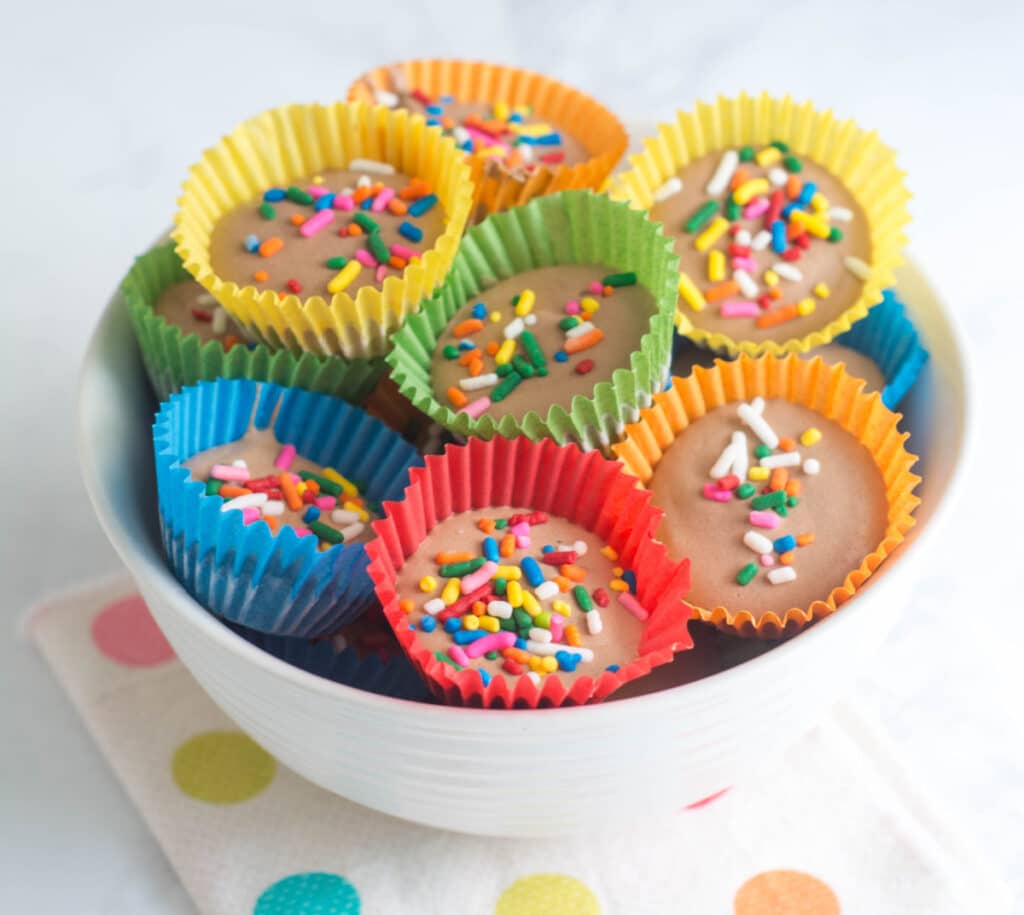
(491, 549)
(567, 660)
(434, 109)
(787, 210)
(516, 118)
(521, 644)
(467, 146)
(412, 626)
(447, 99)
(532, 571)
(453, 624)
(312, 514)
(428, 624)
(366, 204)
(785, 544)
(433, 122)
(612, 667)
(561, 356)
(547, 548)
(467, 344)
(484, 676)
(806, 193)
(274, 195)
(480, 310)
(548, 139)
(423, 205)
(629, 577)
(465, 636)
(778, 236)
(408, 230)
(324, 203)
(251, 244)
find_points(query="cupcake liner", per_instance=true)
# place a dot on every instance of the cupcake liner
(826, 389)
(286, 143)
(279, 584)
(560, 480)
(889, 338)
(174, 359)
(572, 111)
(857, 157)
(570, 227)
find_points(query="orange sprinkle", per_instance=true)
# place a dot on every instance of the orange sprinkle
(468, 356)
(563, 583)
(273, 523)
(457, 397)
(787, 558)
(787, 444)
(366, 191)
(271, 246)
(476, 367)
(297, 219)
(585, 341)
(291, 494)
(572, 636)
(778, 479)
(573, 573)
(775, 293)
(396, 207)
(478, 608)
(793, 187)
(721, 291)
(446, 557)
(312, 486)
(486, 525)
(397, 262)
(794, 230)
(507, 546)
(607, 290)
(281, 296)
(494, 125)
(517, 654)
(230, 491)
(415, 189)
(793, 488)
(778, 316)
(260, 276)
(406, 606)
(804, 539)
(448, 123)
(467, 327)
(739, 177)
(514, 158)
(492, 348)
(229, 341)
(353, 229)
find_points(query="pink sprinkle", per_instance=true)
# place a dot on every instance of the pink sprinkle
(295, 477)
(476, 408)
(596, 288)
(366, 258)
(739, 308)
(523, 542)
(316, 191)
(756, 207)
(634, 606)
(485, 138)
(572, 307)
(767, 520)
(715, 494)
(458, 655)
(319, 220)
(249, 515)
(284, 458)
(230, 472)
(343, 202)
(744, 263)
(302, 532)
(382, 200)
(325, 503)
(381, 274)
(404, 252)
(496, 641)
(557, 627)
(522, 529)
(481, 576)
(767, 560)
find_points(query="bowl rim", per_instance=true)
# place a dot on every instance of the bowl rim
(148, 566)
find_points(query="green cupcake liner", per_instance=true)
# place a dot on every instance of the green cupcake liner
(565, 228)
(174, 359)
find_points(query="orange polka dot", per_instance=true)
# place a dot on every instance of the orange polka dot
(785, 893)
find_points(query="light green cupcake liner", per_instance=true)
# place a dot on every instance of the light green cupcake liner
(174, 359)
(565, 228)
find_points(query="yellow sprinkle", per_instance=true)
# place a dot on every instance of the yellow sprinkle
(352, 507)
(822, 291)
(509, 573)
(758, 473)
(617, 571)
(819, 202)
(771, 278)
(806, 306)
(816, 225)
(810, 437)
(505, 352)
(618, 584)
(318, 179)
(716, 266)
(347, 486)
(344, 277)
(548, 664)
(530, 604)
(451, 592)
(609, 553)
(560, 606)
(531, 130)
(589, 305)
(514, 594)
(706, 238)
(495, 317)
(526, 111)
(691, 294)
(501, 111)
(490, 152)
(471, 622)
(488, 623)
(300, 488)
(535, 664)
(768, 156)
(525, 304)
(750, 189)
(428, 583)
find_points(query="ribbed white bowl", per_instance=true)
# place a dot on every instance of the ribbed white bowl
(520, 773)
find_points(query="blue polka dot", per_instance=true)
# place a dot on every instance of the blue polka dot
(309, 894)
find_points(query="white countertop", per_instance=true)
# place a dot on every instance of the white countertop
(106, 107)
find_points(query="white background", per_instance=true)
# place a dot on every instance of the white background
(104, 108)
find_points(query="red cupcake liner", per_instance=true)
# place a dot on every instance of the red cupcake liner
(582, 487)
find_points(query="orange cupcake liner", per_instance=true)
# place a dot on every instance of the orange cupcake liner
(811, 383)
(571, 111)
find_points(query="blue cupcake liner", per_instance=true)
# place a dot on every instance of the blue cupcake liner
(278, 584)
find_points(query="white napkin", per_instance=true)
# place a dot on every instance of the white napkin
(837, 825)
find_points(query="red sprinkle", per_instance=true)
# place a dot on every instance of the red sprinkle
(582, 368)
(601, 597)
(308, 496)
(295, 286)
(765, 301)
(774, 208)
(739, 250)
(553, 158)
(464, 603)
(512, 667)
(201, 314)
(538, 518)
(792, 254)
(729, 481)
(421, 97)
(803, 240)
(559, 557)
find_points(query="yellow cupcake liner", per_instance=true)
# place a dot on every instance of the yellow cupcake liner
(812, 383)
(284, 144)
(865, 165)
(571, 111)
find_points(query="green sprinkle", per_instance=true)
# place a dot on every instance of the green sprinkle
(508, 625)
(701, 216)
(336, 263)
(267, 211)
(326, 532)
(458, 569)
(792, 164)
(522, 618)
(732, 210)
(792, 501)
(502, 370)
(213, 487)
(745, 575)
(366, 223)
(501, 524)
(762, 451)
(568, 322)
(326, 486)
(780, 510)
(377, 247)
(627, 278)
(298, 195)
(835, 234)
(780, 146)
(491, 656)
(582, 598)
(450, 352)
(543, 619)
(746, 154)
(522, 366)
(534, 351)
(506, 387)
(499, 586)
(745, 490)
(515, 299)
(769, 500)
(444, 659)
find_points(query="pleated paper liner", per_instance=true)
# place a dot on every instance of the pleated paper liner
(568, 110)
(284, 144)
(280, 584)
(812, 383)
(174, 359)
(563, 481)
(570, 227)
(855, 156)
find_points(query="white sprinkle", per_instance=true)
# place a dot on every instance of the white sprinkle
(526, 151)
(743, 237)
(785, 459)
(352, 531)
(502, 609)
(249, 500)
(532, 674)
(385, 98)
(204, 298)
(750, 416)
(344, 516)
(550, 649)
(781, 575)
(580, 547)
(787, 271)
(761, 241)
(220, 321)
(347, 191)
(857, 267)
(240, 463)
(584, 327)
(721, 467)
(747, 285)
(839, 214)
(273, 508)
(812, 467)
(434, 606)
(478, 382)
(777, 176)
(594, 625)
(757, 405)
(363, 181)
(740, 460)
(540, 635)
(757, 542)
(531, 318)
(723, 174)
(372, 166)
(460, 134)
(669, 189)
(339, 643)
(546, 590)
(514, 328)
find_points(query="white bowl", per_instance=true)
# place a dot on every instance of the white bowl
(450, 767)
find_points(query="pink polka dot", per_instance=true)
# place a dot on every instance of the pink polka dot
(125, 632)
(710, 799)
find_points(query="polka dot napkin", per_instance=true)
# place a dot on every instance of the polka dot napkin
(835, 827)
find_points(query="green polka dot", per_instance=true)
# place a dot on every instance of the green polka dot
(547, 894)
(309, 894)
(222, 767)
